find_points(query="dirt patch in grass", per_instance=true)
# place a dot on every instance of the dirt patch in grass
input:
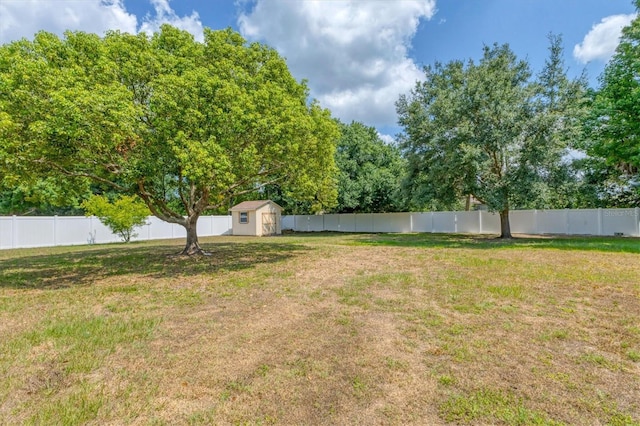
(309, 330)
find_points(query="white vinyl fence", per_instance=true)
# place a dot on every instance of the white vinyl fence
(24, 232)
(39, 231)
(569, 222)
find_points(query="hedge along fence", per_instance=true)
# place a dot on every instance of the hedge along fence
(569, 222)
(41, 231)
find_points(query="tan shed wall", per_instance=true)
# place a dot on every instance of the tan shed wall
(250, 228)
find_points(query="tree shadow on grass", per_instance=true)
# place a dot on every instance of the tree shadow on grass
(83, 266)
(483, 242)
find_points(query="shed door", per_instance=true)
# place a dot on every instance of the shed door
(269, 224)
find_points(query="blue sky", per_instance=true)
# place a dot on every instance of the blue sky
(357, 55)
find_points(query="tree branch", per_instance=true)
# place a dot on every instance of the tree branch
(158, 207)
(181, 193)
(246, 191)
(247, 180)
(81, 174)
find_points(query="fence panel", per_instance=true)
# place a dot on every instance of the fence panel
(300, 223)
(72, 230)
(490, 222)
(392, 222)
(288, 222)
(468, 222)
(34, 231)
(6, 233)
(158, 229)
(205, 226)
(309, 223)
(584, 222)
(332, 222)
(348, 222)
(316, 223)
(100, 233)
(621, 221)
(552, 222)
(222, 225)
(444, 222)
(364, 222)
(422, 222)
(522, 221)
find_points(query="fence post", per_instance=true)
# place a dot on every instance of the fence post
(599, 221)
(536, 225)
(479, 221)
(566, 221)
(14, 231)
(637, 221)
(55, 230)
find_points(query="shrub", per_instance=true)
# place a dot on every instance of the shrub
(121, 215)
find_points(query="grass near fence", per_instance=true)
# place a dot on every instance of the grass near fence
(323, 329)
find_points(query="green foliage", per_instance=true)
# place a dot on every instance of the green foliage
(281, 194)
(370, 171)
(615, 121)
(121, 216)
(369, 174)
(604, 185)
(186, 126)
(490, 131)
(42, 198)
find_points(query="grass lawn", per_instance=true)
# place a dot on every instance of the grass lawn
(323, 329)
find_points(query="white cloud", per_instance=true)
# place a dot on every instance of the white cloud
(165, 15)
(603, 38)
(388, 139)
(354, 53)
(24, 18)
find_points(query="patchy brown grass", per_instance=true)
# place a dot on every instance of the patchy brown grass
(322, 329)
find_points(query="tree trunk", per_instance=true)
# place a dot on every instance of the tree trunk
(505, 227)
(192, 247)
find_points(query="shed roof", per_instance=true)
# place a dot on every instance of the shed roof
(252, 205)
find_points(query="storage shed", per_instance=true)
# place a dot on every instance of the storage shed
(259, 218)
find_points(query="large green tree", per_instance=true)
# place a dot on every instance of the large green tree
(615, 122)
(184, 125)
(491, 131)
(369, 171)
